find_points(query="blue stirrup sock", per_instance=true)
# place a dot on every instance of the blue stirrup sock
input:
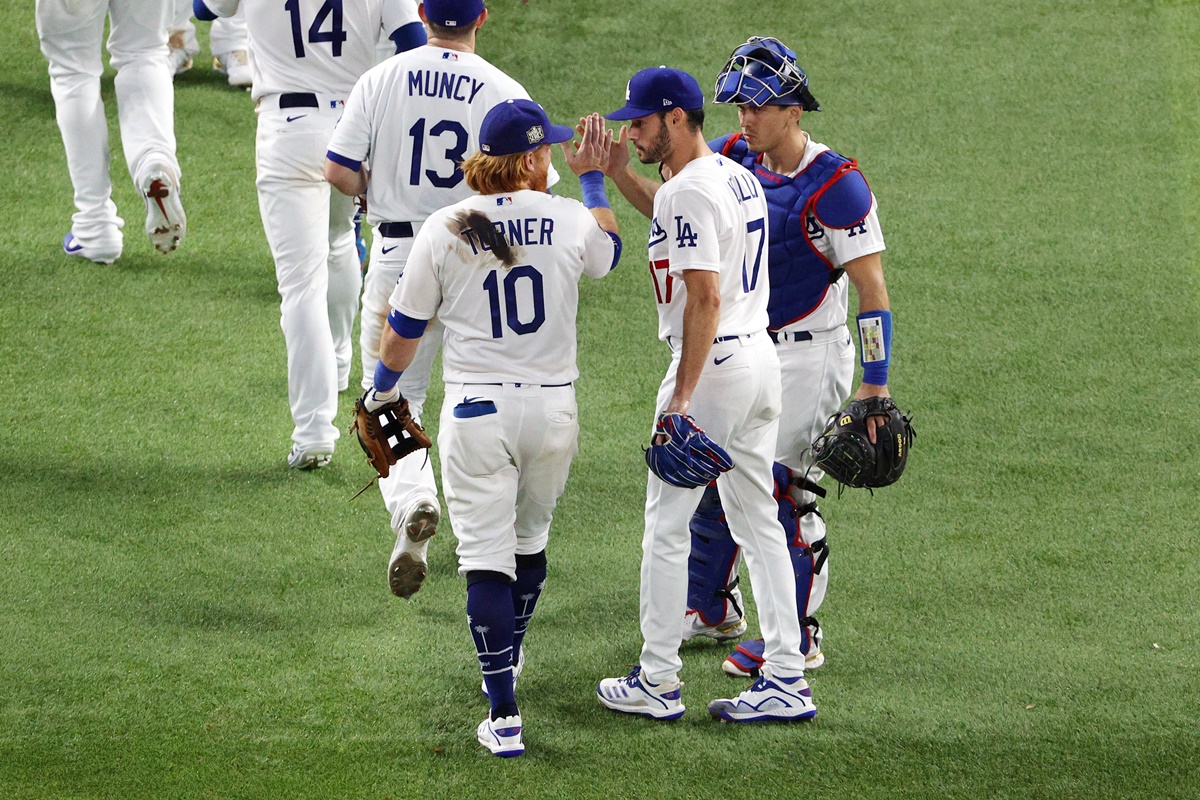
(491, 620)
(526, 589)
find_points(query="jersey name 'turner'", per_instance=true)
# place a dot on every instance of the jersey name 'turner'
(447, 85)
(527, 231)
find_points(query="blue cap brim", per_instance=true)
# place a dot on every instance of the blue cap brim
(559, 133)
(629, 112)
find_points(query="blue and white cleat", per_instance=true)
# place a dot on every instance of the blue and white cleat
(747, 660)
(501, 736)
(770, 699)
(634, 694)
(98, 254)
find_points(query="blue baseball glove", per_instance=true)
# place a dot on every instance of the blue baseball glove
(687, 457)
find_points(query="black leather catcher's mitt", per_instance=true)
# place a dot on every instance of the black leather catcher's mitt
(387, 434)
(845, 452)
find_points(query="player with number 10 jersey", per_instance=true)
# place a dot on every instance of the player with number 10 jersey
(414, 118)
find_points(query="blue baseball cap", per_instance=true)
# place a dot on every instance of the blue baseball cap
(517, 126)
(453, 13)
(659, 89)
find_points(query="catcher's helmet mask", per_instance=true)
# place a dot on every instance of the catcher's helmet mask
(761, 72)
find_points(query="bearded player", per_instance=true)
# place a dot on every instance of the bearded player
(824, 235)
(501, 270)
(707, 261)
(415, 117)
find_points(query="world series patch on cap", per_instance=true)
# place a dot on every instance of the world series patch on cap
(516, 126)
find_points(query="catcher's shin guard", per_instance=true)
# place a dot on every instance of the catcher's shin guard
(713, 565)
(809, 551)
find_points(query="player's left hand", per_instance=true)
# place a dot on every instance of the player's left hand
(875, 421)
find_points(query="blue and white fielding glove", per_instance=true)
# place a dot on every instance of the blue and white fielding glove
(686, 457)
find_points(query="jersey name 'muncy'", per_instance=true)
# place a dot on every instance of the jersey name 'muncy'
(528, 231)
(448, 85)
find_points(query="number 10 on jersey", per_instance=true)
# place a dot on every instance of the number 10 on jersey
(513, 292)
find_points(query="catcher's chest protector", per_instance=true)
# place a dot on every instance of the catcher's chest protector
(799, 274)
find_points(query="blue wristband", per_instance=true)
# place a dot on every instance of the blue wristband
(594, 195)
(875, 345)
(385, 378)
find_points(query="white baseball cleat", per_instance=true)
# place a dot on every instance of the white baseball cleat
(236, 67)
(501, 736)
(634, 694)
(408, 566)
(770, 699)
(694, 627)
(100, 254)
(516, 673)
(306, 460)
(166, 224)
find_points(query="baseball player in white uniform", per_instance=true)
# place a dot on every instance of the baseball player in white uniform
(707, 251)
(70, 33)
(824, 235)
(501, 271)
(306, 61)
(416, 117)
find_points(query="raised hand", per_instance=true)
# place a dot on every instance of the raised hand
(592, 152)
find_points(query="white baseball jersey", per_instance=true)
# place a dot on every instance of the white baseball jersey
(506, 324)
(308, 45)
(840, 246)
(695, 227)
(416, 117)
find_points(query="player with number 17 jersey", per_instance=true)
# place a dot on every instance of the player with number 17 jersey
(697, 228)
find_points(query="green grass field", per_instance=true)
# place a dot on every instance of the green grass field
(181, 616)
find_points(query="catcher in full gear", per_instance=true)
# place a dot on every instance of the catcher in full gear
(824, 234)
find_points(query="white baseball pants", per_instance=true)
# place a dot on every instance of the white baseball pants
(817, 375)
(310, 229)
(506, 452)
(737, 403)
(411, 478)
(70, 32)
